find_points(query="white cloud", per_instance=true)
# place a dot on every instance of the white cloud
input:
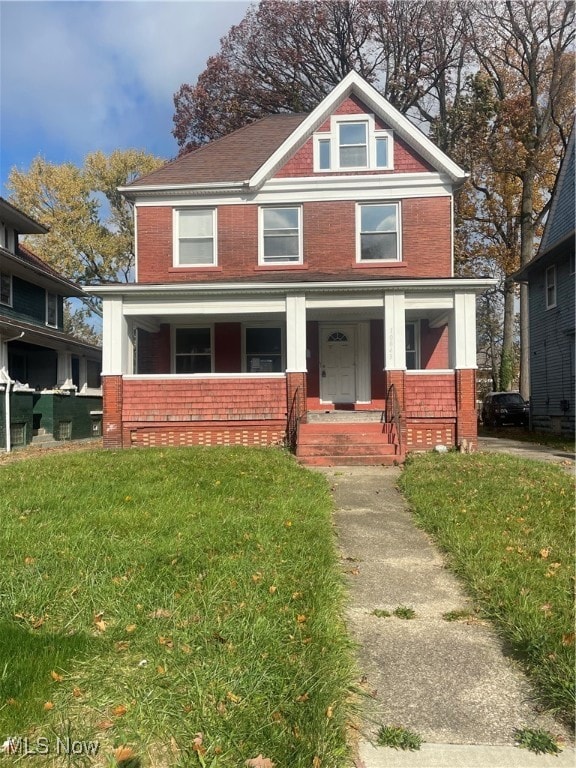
(81, 76)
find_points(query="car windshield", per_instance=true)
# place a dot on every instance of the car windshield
(510, 399)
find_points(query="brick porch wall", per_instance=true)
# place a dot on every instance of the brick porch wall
(195, 411)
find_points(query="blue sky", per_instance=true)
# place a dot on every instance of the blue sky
(76, 77)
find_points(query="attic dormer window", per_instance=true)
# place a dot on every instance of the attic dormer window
(353, 143)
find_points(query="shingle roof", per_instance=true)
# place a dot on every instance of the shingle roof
(233, 158)
(29, 259)
(25, 224)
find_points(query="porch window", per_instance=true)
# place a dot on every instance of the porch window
(377, 237)
(412, 346)
(263, 350)
(51, 309)
(193, 350)
(551, 287)
(93, 380)
(281, 240)
(5, 289)
(195, 239)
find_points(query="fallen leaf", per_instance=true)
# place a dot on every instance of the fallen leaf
(119, 710)
(160, 670)
(568, 639)
(49, 705)
(131, 627)
(185, 648)
(76, 692)
(122, 645)
(123, 753)
(37, 623)
(99, 622)
(232, 697)
(160, 613)
(544, 552)
(104, 725)
(316, 762)
(547, 608)
(302, 697)
(272, 589)
(56, 677)
(167, 641)
(197, 744)
(259, 762)
(301, 618)
(256, 577)
(29, 560)
(329, 712)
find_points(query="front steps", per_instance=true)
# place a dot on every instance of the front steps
(327, 442)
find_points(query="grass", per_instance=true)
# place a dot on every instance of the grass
(536, 740)
(398, 737)
(507, 525)
(404, 612)
(154, 595)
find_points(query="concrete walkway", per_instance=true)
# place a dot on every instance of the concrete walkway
(448, 681)
(527, 450)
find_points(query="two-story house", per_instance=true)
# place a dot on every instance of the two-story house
(295, 278)
(551, 277)
(42, 368)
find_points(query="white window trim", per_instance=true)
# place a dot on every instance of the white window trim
(51, 325)
(176, 238)
(184, 326)
(359, 259)
(554, 284)
(334, 136)
(417, 346)
(282, 262)
(282, 327)
(10, 301)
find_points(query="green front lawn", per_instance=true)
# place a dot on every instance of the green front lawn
(183, 603)
(507, 525)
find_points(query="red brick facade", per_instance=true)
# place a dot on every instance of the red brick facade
(424, 220)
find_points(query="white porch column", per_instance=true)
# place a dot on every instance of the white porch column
(394, 331)
(296, 334)
(3, 354)
(64, 370)
(463, 331)
(117, 347)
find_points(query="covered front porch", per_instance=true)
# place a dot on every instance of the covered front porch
(234, 364)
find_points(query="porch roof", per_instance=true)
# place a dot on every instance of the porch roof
(237, 288)
(45, 337)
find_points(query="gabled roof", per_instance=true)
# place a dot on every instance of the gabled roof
(560, 226)
(23, 223)
(25, 258)
(251, 155)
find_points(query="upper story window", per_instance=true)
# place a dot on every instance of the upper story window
(377, 232)
(551, 287)
(5, 289)
(51, 309)
(193, 350)
(353, 144)
(280, 235)
(195, 237)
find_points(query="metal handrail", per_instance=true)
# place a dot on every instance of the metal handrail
(393, 413)
(293, 421)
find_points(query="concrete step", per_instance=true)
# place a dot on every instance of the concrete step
(350, 460)
(345, 448)
(347, 417)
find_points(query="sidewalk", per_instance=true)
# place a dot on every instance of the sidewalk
(448, 681)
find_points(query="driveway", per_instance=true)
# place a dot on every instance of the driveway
(527, 450)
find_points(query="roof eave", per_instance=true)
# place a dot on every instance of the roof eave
(132, 192)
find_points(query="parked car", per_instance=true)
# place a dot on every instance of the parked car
(501, 408)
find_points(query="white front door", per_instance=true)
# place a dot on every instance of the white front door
(338, 364)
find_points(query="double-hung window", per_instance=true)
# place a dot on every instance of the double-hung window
(51, 309)
(193, 350)
(5, 289)
(353, 145)
(195, 237)
(378, 232)
(280, 235)
(551, 287)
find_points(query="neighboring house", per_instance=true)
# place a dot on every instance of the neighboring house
(42, 368)
(551, 282)
(294, 279)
